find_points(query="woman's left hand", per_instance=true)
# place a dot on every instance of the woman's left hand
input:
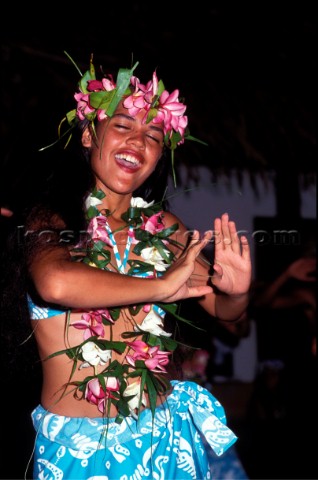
(232, 259)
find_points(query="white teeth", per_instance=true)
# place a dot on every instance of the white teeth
(127, 158)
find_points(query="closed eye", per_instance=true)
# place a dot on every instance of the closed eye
(156, 139)
(119, 125)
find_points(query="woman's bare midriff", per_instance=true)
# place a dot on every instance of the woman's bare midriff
(51, 337)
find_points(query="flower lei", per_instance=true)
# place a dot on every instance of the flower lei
(148, 347)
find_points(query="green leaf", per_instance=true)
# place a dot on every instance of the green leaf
(135, 309)
(88, 75)
(123, 408)
(152, 340)
(152, 113)
(130, 334)
(114, 313)
(167, 232)
(161, 383)
(122, 83)
(140, 364)
(161, 87)
(189, 137)
(168, 343)
(171, 308)
(111, 345)
(75, 65)
(92, 212)
(101, 100)
(152, 393)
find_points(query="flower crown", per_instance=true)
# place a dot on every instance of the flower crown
(98, 99)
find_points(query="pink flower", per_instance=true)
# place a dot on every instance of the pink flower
(97, 231)
(154, 224)
(99, 85)
(106, 85)
(171, 113)
(95, 394)
(169, 109)
(131, 234)
(83, 107)
(154, 359)
(142, 97)
(92, 323)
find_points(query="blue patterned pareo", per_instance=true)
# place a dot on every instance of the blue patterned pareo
(173, 447)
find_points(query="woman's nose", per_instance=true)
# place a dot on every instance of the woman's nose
(137, 139)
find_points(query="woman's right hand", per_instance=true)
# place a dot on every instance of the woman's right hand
(177, 278)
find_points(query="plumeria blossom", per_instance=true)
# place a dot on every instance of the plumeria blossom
(152, 256)
(170, 112)
(92, 323)
(84, 109)
(95, 394)
(97, 231)
(164, 107)
(138, 202)
(93, 355)
(154, 224)
(142, 97)
(155, 359)
(152, 323)
(92, 201)
(133, 403)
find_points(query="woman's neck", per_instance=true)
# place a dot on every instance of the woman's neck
(116, 204)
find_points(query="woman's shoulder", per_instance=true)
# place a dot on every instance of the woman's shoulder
(181, 233)
(170, 219)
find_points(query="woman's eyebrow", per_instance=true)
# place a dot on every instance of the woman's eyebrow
(128, 117)
(158, 129)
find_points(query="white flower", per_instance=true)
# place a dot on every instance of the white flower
(140, 202)
(151, 255)
(92, 202)
(152, 323)
(134, 389)
(93, 355)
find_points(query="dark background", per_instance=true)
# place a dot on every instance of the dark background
(247, 71)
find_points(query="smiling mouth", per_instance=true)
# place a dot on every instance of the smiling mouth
(127, 161)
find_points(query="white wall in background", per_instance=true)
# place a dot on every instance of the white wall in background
(198, 208)
(202, 204)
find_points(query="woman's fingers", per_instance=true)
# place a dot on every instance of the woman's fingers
(199, 291)
(246, 252)
(235, 240)
(225, 231)
(196, 244)
(225, 234)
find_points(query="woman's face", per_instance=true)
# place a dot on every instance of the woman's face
(127, 151)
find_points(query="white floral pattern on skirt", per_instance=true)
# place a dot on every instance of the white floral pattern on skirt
(173, 446)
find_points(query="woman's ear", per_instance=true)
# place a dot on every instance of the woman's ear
(87, 138)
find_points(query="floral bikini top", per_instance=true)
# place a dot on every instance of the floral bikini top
(147, 347)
